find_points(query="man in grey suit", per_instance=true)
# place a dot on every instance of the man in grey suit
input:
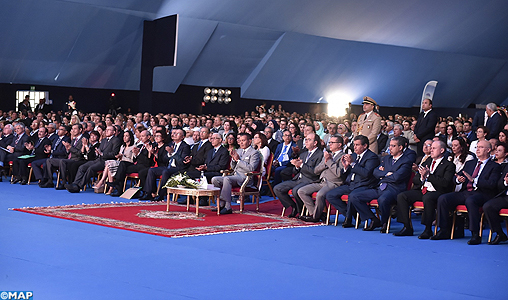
(244, 160)
(303, 169)
(329, 171)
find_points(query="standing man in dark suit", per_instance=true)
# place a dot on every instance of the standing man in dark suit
(479, 179)
(492, 207)
(495, 122)
(393, 173)
(108, 149)
(179, 158)
(303, 170)
(358, 173)
(42, 107)
(434, 178)
(330, 176)
(425, 125)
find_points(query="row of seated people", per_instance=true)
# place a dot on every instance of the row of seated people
(481, 184)
(332, 173)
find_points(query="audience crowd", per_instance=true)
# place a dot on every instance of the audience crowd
(348, 161)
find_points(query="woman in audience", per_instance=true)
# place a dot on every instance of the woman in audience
(451, 132)
(260, 143)
(111, 166)
(500, 153)
(230, 142)
(460, 154)
(481, 134)
(318, 126)
(503, 136)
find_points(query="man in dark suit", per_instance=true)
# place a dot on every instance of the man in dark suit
(282, 156)
(217, 159)
(108, 149)
(479, 179)
(272, 143)
(73, 152)
(199, 152)
(492, 207)
(140, 162)
(42, 107)
(495, 122)
(393, 173)
(434, 178)
(56, 150)
(468, 131)
(303, 170)
(17, 146)
(382, 139)
(479, 119)
(6, 137)
(179, 158)
(425, 125)
(37, 150)
(330, 176)
(358, 174)
(24, 105)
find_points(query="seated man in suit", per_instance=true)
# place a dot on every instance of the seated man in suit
(37, 150)
(479, 179)
(108, 149)
(330, 176)
(303, 170)
(217, 159)
(56, 150)
(199, 153)
(282, 156)
(17, 146)
(434, 178)
(73, 153)
(244, 160)
(178, 153)
(492, 207)
(393, 173)
(358, 175)
(272, 143)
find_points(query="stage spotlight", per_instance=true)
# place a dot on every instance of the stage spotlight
(227, 100)
(213, 99)
(206, 98)
(221, 92)
(215, 91)
(220, 100)
(227, 92)
(208, 90)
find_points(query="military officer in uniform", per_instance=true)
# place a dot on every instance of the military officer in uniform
(369, 123)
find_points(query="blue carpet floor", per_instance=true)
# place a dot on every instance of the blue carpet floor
(61, 259)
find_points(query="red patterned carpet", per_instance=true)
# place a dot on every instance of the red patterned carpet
(152, 218)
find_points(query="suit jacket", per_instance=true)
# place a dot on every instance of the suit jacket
(488, 180)
(425, 126)
(162, 156)
(273, 145)
(401, 172)
(44, 109)
(39, 148)
(307, 168)
(58, 149)
(199, 155)
(501, 187)
(142, 158)
(495, 124)
(6, 140)
(381, 142)
(471, 136)
(331, 170)
(90, 155)
(217, 162)
(19, 148)
(363, 171)
(250, 161)
(178, 156)
(75, 149)
(110, 148)
(478, 119)
(370, 127)
(279, 150)
(442, 179)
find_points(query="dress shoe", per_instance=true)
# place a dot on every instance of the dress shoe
(16, 180)
(225, 211)
(441, 235)
(294, 213)
(146, 197)
(500, 237)
(24, 182)
(72, 188)
(116, 193)
(347, 223)
(43, 181)
(215, 209)
(475, 239)
(426, 234)
(384, 228)
(374, 223)
(60, 187)
(159, 198)
(309, 219)
(48, 184)
(406, 231)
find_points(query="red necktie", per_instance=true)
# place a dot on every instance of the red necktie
(424, 190)
(475, 173)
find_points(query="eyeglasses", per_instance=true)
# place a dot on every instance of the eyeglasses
(333, 142)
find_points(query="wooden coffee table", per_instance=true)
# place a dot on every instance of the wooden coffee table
(210, 192)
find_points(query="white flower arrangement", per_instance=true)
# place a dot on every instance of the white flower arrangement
(181, 180)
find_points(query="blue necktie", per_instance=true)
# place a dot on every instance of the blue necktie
(281, 156)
